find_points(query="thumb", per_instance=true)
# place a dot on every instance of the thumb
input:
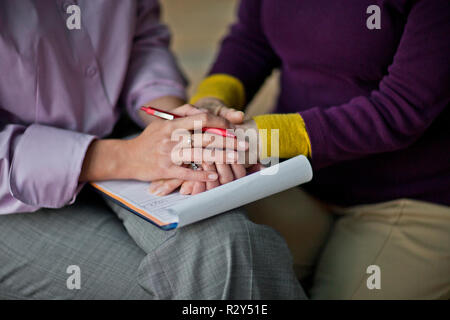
(232, 115)
(164, 187)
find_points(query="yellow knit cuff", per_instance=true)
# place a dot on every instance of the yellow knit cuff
(290, 140)
(223, 87)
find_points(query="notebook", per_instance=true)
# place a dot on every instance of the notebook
(176, 210)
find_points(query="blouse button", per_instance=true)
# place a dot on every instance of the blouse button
(91, 71)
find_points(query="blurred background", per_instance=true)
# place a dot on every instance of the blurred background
(197, 30)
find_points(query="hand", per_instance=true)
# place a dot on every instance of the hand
(218, 108)
(227, 173)
(154, 147)
(149, 156)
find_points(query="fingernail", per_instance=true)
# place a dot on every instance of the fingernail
(155, 192)
(213, 176)
(183, 191)
(241, 113)
(153, 188)
(230, 155)
(157, 187)
(163, 189)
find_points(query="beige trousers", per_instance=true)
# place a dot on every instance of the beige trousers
(393, 250)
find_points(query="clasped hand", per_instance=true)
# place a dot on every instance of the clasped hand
(219, 156)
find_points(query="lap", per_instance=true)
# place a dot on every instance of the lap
(303, 222)
(121, 256)
(408, 240)
(37, 248)
(224, 257)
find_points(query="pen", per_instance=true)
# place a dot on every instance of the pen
(170, 116)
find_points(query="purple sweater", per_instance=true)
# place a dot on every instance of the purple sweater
(375, 102)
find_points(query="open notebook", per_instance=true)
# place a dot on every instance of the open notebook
(176, 210)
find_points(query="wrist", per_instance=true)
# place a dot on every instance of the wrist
(105, 160)
(119, 157)
(207, 101)
(228, 89)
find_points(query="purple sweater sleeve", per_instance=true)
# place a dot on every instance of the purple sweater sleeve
(245, 52)
(413, 93)
(409, 97)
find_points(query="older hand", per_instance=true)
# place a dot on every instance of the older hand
(218, 108)
(226, 172)
(151, 154)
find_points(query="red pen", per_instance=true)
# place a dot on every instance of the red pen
(170, 116)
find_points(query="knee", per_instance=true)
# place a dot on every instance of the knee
(230, 229)
(225, 229)
(220, 255)
(234, 235)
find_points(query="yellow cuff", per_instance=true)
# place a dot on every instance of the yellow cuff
(223, 87)
(291, 140)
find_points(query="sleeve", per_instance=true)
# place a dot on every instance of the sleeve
(409, 98)
(152, 71)
(245, 52)
(293, 139)
(39, 166)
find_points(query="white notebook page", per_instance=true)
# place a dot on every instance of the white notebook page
(184, 210)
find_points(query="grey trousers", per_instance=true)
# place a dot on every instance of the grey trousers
(121, 256)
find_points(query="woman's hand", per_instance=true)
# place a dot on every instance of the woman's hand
(149, 156)
(166, 186)
(226, 172)
(218, 108)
